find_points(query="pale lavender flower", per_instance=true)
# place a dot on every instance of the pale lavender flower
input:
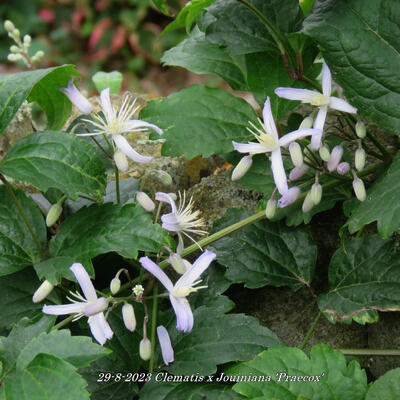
(335, 158)
(289, 197)
(298, 172)
(89, 306)
(182, 288)
(269, 142)
(343, 168)
(76, 98)
(165, 343)
(323, 101)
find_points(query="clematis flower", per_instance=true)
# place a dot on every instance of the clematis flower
(269, 142)
(182, 219)
(182, 288)
(323, 101)
(89, 306)
(112, 122)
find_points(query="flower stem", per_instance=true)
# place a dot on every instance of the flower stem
(310, 332)
(153, 326)
(64, 322)
(370, 352)
(117, 184)
(23, 215)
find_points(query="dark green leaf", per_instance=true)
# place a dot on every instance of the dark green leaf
(56, 159)
(200, 121)
(360, 42)
(199, 55)
(162, 6)
(17, 247)
(265, 253)
(286, 365)
(366, 277)
(387, 387)
(15, 88)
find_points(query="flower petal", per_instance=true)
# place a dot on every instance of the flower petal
(319, 124)
(279, 171)
(64, 309)
(105, 102)
(303, 95)
(254, 148)
(134, 124)
(76, 98)
(341, 105)
(269, 121)
(95, 307)
(165, 343)
(166, 198)
(198, 267)
(326, 81)
(154, 269)
(170, 222)
(184, 315)
(127, 149)
(84, 281)
(299, 134)
(100, 328)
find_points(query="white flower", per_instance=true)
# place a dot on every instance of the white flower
(322, 100)
(269, 142)
(182, 219)
(165, 343)
(182, 288)
(89, 306)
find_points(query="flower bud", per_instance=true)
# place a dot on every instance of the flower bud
(128, 315)
(27, 40)
(42, 292)
(164, 177)
(121, 161)
(138, 291)
(14, 57)
(316, 193)
(359, 189)
(115, 285)
(15, 49)
(145, 201)
(145, 349)
(296, 154)
(289, 197)
(335, 157)
(53, 214)
(298, 172)
(359, 159)
(306, 123)
(361, 130)
(15, 34)
(8, 26)
(343, 168)
(95, 307)
(38, 56)
(308, 204)
(173, 196)
(177, 262)
(270, 210)
(242, 167)
(324, 153)
(167, 351)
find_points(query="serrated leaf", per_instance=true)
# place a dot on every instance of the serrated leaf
(285, 365)
(47, 94)
(200, 56)
(17, 246)
(234, 25)
(15, 88)
(100, 229)
(46, 378)
(200, 121)
(79, 351)
(56, 160)
(265, 253)
(387, 387)
(356, 38)
(381, 204)
(366, 277)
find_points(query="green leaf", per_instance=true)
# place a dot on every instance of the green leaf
(265, 253)
(381, 204)
(112, 80)
(46, 93)
(162, 6)
(326, 375)
(365, 277)
(46, 378)
(200, 121)
(55, 268)
(360, 42)
(17, 247)
(100, 229)
(232, 24)
(15, 88)
(56, 160)
(387, 387)
(306, 6)
(79, 351)
(200, 56)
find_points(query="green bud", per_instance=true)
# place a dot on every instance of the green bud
(38, 56)
(15, 34)
(53, 214)
(27, 40)
(121, 161)
(9, 26)
(359, 189)
(270, 210)
(15, 49)
(128, 315)
(324, 153)
(164, 177)
(359, 159)
(308, 204)
(42, 292)
(14, 57)
(306, 123)
(316, 193)
(115, 285)
(296, 154)
(178, 263)
(361, 130)
(145, 349)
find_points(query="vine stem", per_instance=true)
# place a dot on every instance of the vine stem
(23, 215)
(310, 332)
(370, 352)
(117, 192)
(153, 326)
(64, 322)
